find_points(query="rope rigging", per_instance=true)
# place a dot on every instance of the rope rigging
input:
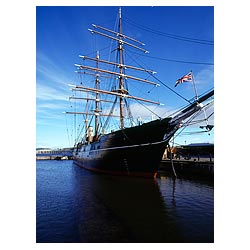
(191, 121)
(176, 61)
(153, 75)
(173, 36)
(122, 75)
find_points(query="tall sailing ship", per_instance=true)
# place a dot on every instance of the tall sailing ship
(132, 149)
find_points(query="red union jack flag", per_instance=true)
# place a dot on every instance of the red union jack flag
(186, 78)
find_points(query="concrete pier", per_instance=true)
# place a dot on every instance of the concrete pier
(188, 168)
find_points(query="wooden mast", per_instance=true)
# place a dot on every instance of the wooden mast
(116, 33)
(121, 83)
(86, 89)
(97, 81)
(115, 73)
(116, 64)
(119, 91)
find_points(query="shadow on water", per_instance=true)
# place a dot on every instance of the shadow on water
(191, 204)
(75, 205)
(122, 209)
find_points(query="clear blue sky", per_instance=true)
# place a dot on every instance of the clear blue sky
(176, 37)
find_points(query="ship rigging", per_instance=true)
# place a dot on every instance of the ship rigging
(119, 92)
(132, 149)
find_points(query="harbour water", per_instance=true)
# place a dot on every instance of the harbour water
(75, 205)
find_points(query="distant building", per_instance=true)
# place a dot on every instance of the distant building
(54, 152)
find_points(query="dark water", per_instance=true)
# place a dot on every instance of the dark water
(74, 205)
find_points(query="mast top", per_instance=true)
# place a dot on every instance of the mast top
(120, 12)
(119, 88)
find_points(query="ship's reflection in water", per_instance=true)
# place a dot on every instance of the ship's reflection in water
(102, 208)
(124, 209)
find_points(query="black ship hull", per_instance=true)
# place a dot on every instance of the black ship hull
(135, 151)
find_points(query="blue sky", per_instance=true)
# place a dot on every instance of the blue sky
(168, 32)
